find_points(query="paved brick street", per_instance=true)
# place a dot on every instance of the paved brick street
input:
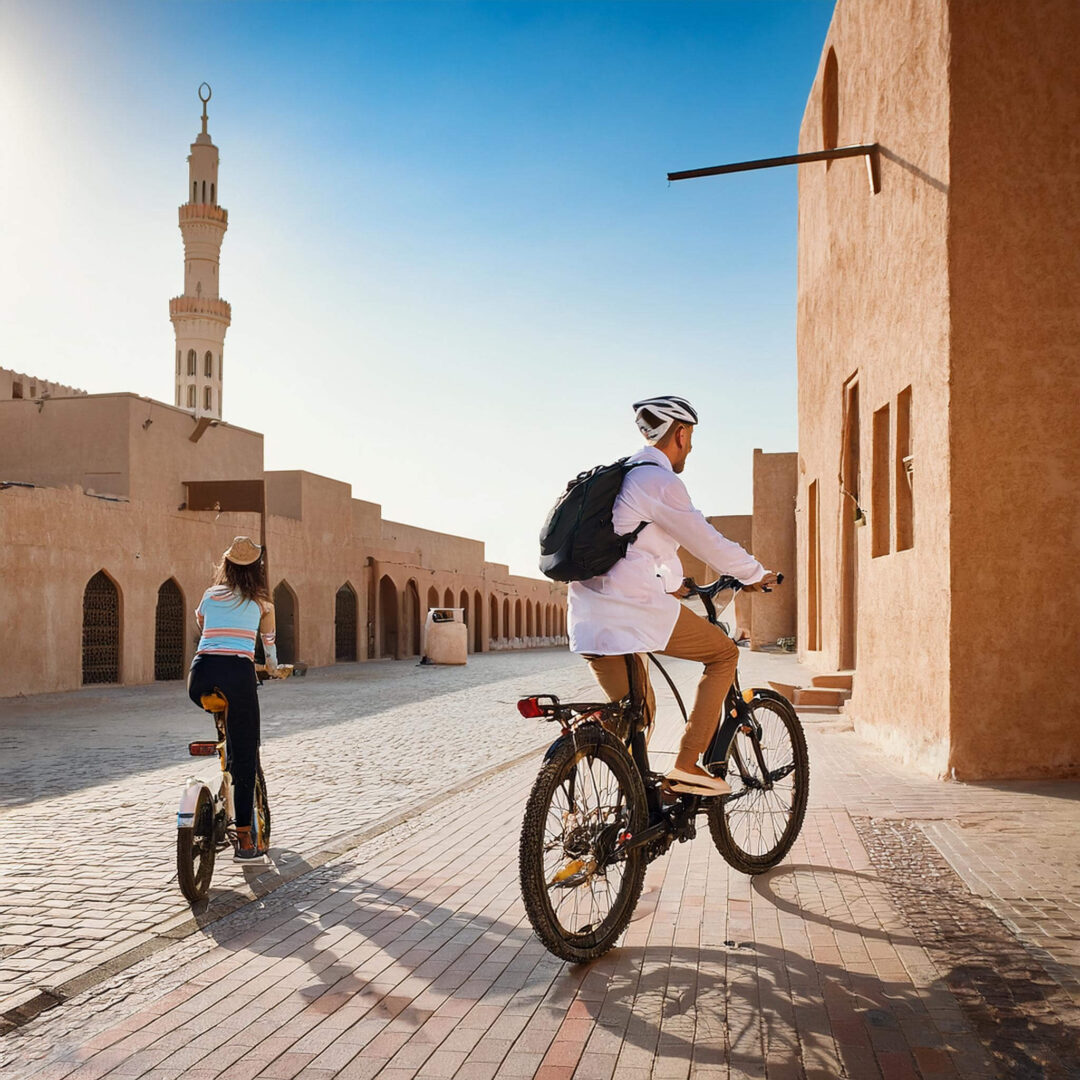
(93, 872)
(918, 929)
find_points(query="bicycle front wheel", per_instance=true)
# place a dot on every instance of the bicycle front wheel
(579, 888)
(195, 851)
(755, 826)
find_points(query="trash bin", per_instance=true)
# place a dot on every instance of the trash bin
(446, 637)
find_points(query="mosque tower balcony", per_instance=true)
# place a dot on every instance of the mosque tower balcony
(200, 307)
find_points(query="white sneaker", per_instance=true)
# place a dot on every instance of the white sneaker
(697, 783)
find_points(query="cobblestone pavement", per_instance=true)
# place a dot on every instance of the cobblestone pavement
(88, 872)
(918, 929)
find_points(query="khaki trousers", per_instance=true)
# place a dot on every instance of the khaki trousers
(694, 638)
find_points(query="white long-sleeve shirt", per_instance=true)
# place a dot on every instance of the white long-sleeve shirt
(630, 609)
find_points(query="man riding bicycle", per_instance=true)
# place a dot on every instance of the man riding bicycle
(634, 608)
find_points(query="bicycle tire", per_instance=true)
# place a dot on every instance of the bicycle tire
(260, 818)
(746, 806)
(627, 814)
(195, 851)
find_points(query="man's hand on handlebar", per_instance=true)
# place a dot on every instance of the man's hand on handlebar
(765, 584)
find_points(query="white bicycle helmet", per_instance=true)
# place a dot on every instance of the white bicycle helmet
(666, 410)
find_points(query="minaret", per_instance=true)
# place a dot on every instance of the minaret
(200, 317)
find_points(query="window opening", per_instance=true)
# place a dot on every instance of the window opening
(813, 570)
(191, 362)
(345, 624)
(169, 632)
(880, 518)
(101, 631)
(208, 365)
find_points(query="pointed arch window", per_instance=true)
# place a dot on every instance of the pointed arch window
(195, 191)
(204, 191)
(191, 397)
(191, 362)
(177, 361)
(208, 365)
(208, 400)
(212, 199)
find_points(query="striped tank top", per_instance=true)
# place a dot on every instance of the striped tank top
(230, 624)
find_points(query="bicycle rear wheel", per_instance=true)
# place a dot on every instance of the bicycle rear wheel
(755, 826)
(579, 889)
(195, 851)
(260, 818)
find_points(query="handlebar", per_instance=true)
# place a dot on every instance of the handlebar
(282, 671)
(707, 592)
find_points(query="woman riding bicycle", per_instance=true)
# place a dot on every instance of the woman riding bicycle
(232, 611)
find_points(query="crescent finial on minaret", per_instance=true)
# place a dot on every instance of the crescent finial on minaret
(204, 100)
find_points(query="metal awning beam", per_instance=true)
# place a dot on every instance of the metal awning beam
(868, 150)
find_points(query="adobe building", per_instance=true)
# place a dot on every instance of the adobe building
(769, 535)
(104, 556)
(939, 448)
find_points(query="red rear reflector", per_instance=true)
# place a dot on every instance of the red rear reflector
(202, 749)
(529, 707)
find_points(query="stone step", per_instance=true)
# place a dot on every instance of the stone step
(822, 710)
(821, 696)
(841, 680)
(787, 689)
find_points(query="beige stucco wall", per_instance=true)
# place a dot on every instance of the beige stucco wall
(873, 286)
(33, 386)
(736, 527)
(1014, 253)
(775, 484)
(53, 540)
(102, 442)
(54, 537)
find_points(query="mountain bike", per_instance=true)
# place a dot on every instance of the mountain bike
(206, 817)
(597, 814)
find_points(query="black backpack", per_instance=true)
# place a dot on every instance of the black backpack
(578, 540)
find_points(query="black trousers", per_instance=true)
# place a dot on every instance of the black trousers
(234, 677)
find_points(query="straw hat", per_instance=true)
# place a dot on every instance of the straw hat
(243, 551)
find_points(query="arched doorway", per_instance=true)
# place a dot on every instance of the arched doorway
(432, 599)
(493, 629)
(478, 623)
(169, 632)
(519, 625)
(506, 629)
(345, 607)
(463, 603)
(448, 598)
(388, 618)
(412, 618)
(286, 615)
(101, 630)
(528, 619)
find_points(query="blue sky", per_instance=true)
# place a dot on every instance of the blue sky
(453, 256)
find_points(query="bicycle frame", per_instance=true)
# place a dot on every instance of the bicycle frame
(222, 799)
(676, 818)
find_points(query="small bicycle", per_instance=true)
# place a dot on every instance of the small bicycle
(597, 814)
(206, 818)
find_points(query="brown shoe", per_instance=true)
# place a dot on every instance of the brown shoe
(246, 851)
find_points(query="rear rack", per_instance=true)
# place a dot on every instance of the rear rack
(549, 707)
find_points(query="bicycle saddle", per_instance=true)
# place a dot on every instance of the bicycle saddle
(214, 702)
